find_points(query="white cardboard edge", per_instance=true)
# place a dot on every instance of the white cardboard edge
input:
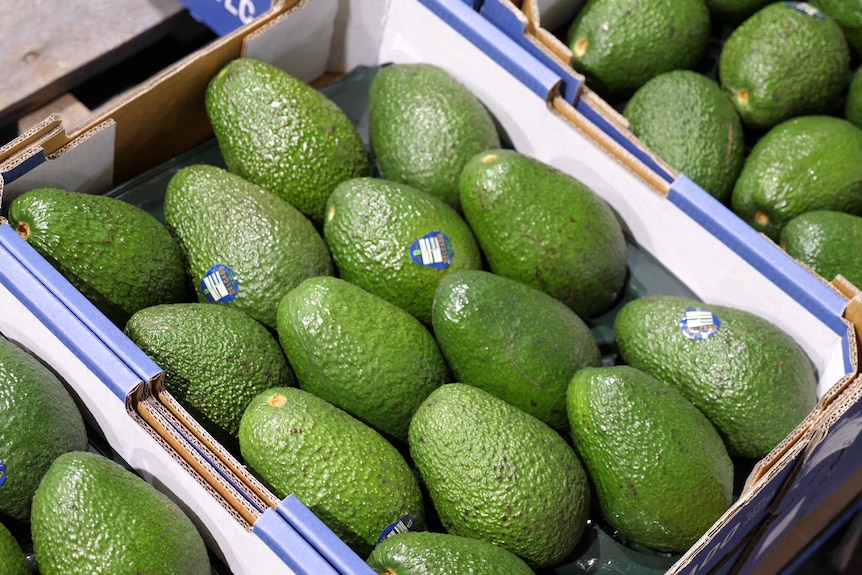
(242, 551)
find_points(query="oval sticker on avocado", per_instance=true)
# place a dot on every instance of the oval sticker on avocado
(406, 523)
(699, 323)
(434, 250)
(2, 472)
(805, 8)
(220, 285)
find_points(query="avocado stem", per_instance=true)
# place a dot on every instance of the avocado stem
(23, 229)
(581, 47)
(277, 400)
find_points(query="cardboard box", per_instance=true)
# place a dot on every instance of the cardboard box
(713, 254)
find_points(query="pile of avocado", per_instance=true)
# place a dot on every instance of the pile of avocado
(759, 102)
(399, 332)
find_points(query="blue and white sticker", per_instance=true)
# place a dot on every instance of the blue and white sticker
(403, 525)
(806, 8)
(433, 250)
(699, 323)
(2, 472)
(220, 285)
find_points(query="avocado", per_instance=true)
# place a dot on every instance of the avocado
(282, 134)
(545, 228)
(733, 12)
(39, 420)
(348, 474)
(751, 379)
(244, 246)
(788, 59)
(661, 472)
(620, 44)
(359, 352)
(118, 255)
(848, 15)
(12, 558)
(826, 241)
(416, 552)
(396, 241)
(690, 122)
(512, 340)
(215, 359)
(92, 515)
(498, 474)
(423, 126)
(803, 164)
(853, 100)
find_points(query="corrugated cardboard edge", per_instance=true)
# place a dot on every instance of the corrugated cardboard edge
(175, 98)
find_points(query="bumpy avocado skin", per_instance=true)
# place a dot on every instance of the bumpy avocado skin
(848, 15)
(788, 59)
(215, 359)
(221, 219)
(803, 164)
(620, 44)
(349, 475)
(853, 101)
(826, 241)
(377, 231)
(39, 420)
(543, 227)
(752, 380)
(512, 340)
(282, 134)
(498, 474)
(115, 253)
(424, 125)
(661, 471)
(426, 552)
(12, 558)
(359, 352)
(93, 516)
(690, 122)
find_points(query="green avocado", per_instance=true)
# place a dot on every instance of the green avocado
(661, 472)
(803, 164)
(690, 122)
(826, 241)
(788, 59)
(512, 340)
(853, 100)
(620, 44)
(282, 134)
(418, 552)
(423, 126)
(349, 475)
(115, 253)
(215, 359)
(848, 15)
(244, 246)
(397, 241)
(359, 352)
(39, 420)
(543, 227)
(93, 516)
(12, 558)
(498, 474)
(751, 379)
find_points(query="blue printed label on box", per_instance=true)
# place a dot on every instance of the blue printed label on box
(220, 284)
(225, 16)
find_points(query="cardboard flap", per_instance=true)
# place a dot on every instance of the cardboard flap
(297, 553)
(547, 50)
